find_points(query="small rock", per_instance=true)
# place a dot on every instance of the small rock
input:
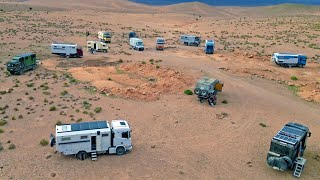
(153, 146)
(181, 172)
(48, 156)
(53, 174)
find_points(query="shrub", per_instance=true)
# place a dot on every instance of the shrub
(1, 147)
(12, 146)
(85, 112)
(143, 62)
(188, 92)
(44, 142)
(157, 66)
(13, 118)
(224, 102)
(98, 109)
(294, 78)
(53, 108)
(3, 122)
(86, 105)
(77, 110)
(63, 93)
(30, 85)
(263, 125)
(1, 131)
(46, 93)
(79, 120)
(59, 123)
(120, 61)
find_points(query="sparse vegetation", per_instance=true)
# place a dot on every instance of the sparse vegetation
(98, 109)
(12, 146)
(1, 131)
(3, 122)
(53, 108)
(44, 142)
(224, 102)
(46, 93)
(262, 125)
(79, 120)
(294, 78)
(59, 123)
(188, 92)
(293, 89)
(63, 93)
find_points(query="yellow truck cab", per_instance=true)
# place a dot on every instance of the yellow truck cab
(104, 36)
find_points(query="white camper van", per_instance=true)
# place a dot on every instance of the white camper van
(93, 138)
(66, 49)
(97, 46)
(136, 44)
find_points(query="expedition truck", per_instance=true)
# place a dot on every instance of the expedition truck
(97, 46)
(132, 34)
(287, 148)
(21, 63)
(105, 36)
(92, 138)
(137, 44)
(289, 59)
(209, 47)
(66, 50)
(160, 44)
(190, 40)
(207, 89)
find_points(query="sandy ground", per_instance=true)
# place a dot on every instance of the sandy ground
(174, 136)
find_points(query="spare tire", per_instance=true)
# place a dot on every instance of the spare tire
(282, 164)
(197, 91)
(288, 161)
(271, 161)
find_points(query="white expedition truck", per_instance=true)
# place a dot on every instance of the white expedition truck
(136, 44)
(66, 49)
(82, 139)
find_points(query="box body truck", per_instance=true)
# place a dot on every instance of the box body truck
(98, 137)
(160, 44)
(21, 63)
(105, 36)
(209, 46)
(66, 49)
(289, 59)
(97, 46)
(190, 40)
(137, 44)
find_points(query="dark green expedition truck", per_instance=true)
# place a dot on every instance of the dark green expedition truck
(21, 63)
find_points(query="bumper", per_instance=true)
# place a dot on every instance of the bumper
(129, 148)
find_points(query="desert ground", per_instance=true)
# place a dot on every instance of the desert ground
(174, 136)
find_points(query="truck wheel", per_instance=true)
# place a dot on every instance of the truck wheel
(201, 100)
(120, 151)
(82, 155)
(20, 72)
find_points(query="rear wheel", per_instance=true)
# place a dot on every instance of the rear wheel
(120, 151)
(82, 155)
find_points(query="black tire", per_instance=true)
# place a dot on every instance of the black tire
(82, 155)
(120, 151)
(288, 161)
(197, 91)
(201, 100)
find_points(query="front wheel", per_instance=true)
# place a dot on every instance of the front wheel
(120, 151)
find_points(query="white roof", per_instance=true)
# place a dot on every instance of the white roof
(119, 124)
(287, 54)
(63, 44)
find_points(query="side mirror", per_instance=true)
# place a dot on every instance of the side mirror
(309, 134)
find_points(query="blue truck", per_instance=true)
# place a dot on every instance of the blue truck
(209, 47)
(289, 59)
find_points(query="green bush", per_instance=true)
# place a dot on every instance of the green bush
(12, 146)
(79, 120)
(294, 78)
(1, 147)
(3, 122)
(53, 108)
(188, 92)
(98, 109)
(1, 131)
(263, 125)
(46, 93)
(44, 142)
(63, 93)
(224, 102)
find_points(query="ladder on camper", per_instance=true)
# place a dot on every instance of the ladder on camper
(94, 156)
(299, 165)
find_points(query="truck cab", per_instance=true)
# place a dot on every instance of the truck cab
(209, 47)
(121, 136)
(287, 148)
(137, 44)
(21, 63)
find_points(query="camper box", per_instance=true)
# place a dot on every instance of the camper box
(66, 49)
(98, 137)
(104, 36)
(132, 34)
(289, 59)
(21, 63)
(160, 44)
(209, 47)
(190, 40)
(97, 46)
(137, 44)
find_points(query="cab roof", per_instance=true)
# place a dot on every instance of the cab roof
(291, 133)
(207, 81)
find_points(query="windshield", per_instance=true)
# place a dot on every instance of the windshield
(12, 65)
(160, 41)
(139, 44)
(210, 47)
(280, 149)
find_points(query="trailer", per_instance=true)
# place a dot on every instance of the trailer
(67, 49)
(137, 44)
(289, 59)
(21, 63)
(209, 47)
(190, 40)
(105, 36)
(99, 137)
(97, 46)
(160, 44)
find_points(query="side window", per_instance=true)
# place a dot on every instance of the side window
(125, 135)
(65, 139)
(84, 137)
(105, 135)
